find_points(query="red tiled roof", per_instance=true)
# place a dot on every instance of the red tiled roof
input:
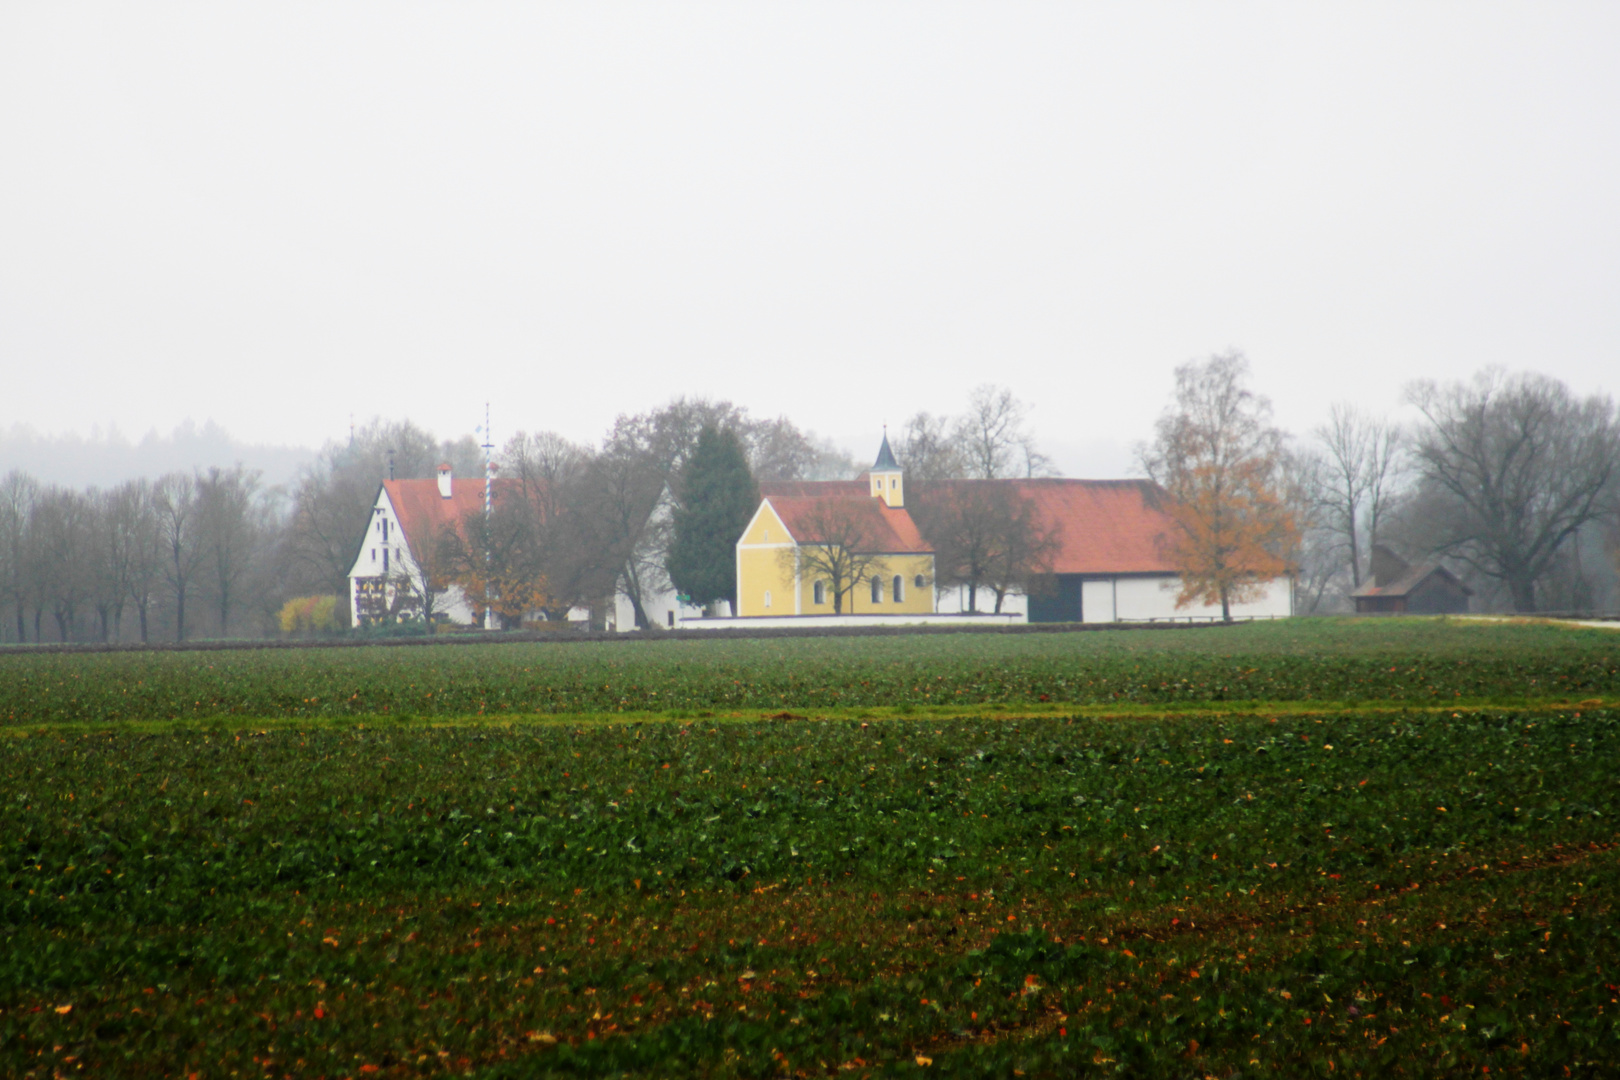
(1107, 526)
(886, 530)
(421, 509)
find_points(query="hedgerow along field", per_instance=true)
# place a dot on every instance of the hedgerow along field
(1297, 849)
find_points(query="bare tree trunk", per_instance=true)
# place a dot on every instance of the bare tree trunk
(180, 614)
(143, 622)
(22, 624)
(1523, 590)
(1226, 605)
(1355, 547)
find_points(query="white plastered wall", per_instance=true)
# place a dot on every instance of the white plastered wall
(953, 600)
(1139, 598)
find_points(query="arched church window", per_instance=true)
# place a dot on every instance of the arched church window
(899, 588)
(821, 592)
(877, 589)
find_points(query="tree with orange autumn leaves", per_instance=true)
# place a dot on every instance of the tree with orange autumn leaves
(1225, 469)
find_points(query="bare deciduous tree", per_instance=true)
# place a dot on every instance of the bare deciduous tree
(985, 534)
(993, 437)
(18, 492)
(619, 500)
(175, 500)
(835, 544)
(135, 546)
(228, 533)
(62, 527)
(929, 452)
(1515, 465)
(1359, 470)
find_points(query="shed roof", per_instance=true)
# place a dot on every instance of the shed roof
(1408, 582)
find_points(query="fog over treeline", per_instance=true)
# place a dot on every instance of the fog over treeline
(108, 456)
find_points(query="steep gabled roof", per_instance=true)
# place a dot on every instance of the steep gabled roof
(888, 530)
(422, 510)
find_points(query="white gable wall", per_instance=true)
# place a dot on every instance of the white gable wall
(386, 554)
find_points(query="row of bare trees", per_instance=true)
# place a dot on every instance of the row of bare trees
(1512, 479)
(100, 565)
(217, 553)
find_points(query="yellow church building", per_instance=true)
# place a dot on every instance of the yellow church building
(835, 547)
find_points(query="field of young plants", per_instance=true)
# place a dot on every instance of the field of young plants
(1328, 849)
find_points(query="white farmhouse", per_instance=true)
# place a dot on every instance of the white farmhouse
(387, 581)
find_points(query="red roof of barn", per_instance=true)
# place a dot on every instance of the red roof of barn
(1107, 526)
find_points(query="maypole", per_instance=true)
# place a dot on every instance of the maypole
(489, 503)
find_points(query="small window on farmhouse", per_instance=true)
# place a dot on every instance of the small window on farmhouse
(670, 619)
(877, 590)
(899, 588)
(385, 560)
(767, 598)
(373, 554)
(821, 592)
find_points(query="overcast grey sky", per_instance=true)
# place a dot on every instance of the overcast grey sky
(272, 216)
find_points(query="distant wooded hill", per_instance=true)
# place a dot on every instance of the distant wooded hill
(105, 458)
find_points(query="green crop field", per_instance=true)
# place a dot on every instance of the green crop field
(1302, 848)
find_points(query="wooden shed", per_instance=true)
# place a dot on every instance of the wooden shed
(1398, 588)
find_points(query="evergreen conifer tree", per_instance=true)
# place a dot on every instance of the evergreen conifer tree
(717, 498)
